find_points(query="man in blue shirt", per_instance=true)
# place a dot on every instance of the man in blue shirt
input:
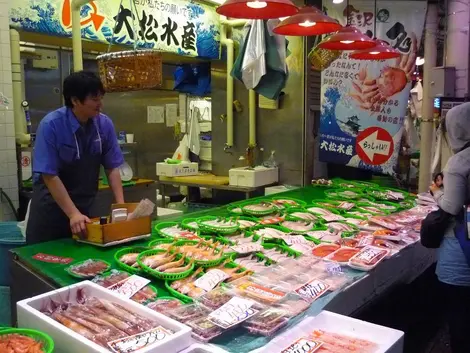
(71, 145)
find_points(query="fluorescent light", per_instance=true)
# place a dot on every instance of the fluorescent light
(338, 1)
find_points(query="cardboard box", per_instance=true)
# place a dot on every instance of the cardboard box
(253, 177)
(111, 232)
(68, 341)
(172, 170)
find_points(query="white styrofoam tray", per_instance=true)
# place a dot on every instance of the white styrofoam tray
(389, 340)
(203, 348)
(68, 341)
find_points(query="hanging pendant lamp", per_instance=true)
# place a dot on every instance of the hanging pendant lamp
(309, 21)
(381, 51)
(257, 9)
(347, 38)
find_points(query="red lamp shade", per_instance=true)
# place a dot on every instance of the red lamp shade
(257, 9)
(347, 38)
(309, 21)
(381, 51)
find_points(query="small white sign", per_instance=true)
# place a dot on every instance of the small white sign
(247, 248)
(155, 114)
(211, 279)
(233, 312)
(171, 112)
(129, 286)
(139, 341)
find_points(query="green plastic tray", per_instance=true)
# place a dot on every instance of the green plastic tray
(232, 207)
(185, 223)
(118, 254)
(162, 275)
(215, 230)
(178, 295)
(247, 218)
(69, 269)
(336, 194)
(284, 249)
(267, 212)
(346, 234)
(300, 203)
(293, 219)
(161, 241)
(48, 343)
(159, 226)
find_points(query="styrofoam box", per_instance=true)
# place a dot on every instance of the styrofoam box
(389, 340)
(271, 190)
(68, 341)
(183, 169)
(204, 348)
(253, 177)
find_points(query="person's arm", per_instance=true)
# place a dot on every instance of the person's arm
(46, 163)
(112, 158)
(453, 197)
(114, 179)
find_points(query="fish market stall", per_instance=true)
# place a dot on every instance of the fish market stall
(336, 245)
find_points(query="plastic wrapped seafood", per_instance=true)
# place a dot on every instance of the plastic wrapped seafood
(204, 330)
(387, 234)
(97, 319)
(276, 255)
(245, 223)
(162, 305)
(285, 202)
(368, 258)
(188, 312)
(216, 298)
(336, 343)
(252, 289)
(341, 227)
(187, 287)
(88, 269)
(252, 263)
(324, 182)
(324, 250)
(240, 238)
(342, 255)
(385, 222)
(108, 280)
(267, 322)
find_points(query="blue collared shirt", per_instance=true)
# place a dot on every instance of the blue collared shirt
(59, 134)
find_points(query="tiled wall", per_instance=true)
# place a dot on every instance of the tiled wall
(8, 165)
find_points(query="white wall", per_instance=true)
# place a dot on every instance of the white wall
(8, 164)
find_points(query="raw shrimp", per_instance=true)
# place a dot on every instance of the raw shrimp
(15, 343)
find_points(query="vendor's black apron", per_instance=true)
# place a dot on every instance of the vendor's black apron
(47, 221)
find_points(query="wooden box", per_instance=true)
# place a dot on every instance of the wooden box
(107, 233)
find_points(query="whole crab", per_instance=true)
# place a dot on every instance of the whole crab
(370, 93)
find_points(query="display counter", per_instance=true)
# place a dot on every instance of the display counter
(33, 276)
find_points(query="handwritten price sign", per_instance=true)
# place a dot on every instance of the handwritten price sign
(139, 341)
(233, 312)
(211, 279)
(312, 290)
(52, 259)
(129, 286)
(303, 345)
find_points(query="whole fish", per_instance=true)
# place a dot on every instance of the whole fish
(129, 259)
(74, 326)
(177, 284)
(169, 265)
(158, 260)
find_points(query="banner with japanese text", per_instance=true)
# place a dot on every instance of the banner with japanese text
(363, 103)
(177, 26)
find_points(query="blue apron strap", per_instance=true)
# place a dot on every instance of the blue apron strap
(461, 231)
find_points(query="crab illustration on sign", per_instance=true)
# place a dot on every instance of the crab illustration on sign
(93, 17)
(374, 145)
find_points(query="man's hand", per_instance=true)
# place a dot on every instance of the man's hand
(78, 223)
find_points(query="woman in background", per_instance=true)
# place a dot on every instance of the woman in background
(439, 180)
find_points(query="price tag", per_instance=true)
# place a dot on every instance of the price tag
(262, 293)
(139, 341)
(233, 312)
(129, 286)
(52, 259)
(211, 279)
(318, 234)
(332, 217)
(312, 290)
(247, 248)
(295, 239)
(333, 268)
(369, 255)
(365, 241)
(303, 345)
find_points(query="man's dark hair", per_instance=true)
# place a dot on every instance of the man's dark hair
(80, 85)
